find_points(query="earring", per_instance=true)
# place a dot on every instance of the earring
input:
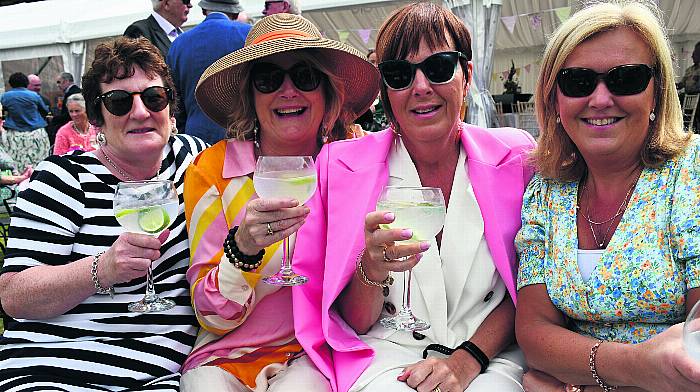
(558, 119)
(101, 138)
(256, 141)
(652, 116)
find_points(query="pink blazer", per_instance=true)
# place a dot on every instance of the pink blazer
(351, 176)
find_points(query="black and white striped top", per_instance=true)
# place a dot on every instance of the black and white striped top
(65, 215)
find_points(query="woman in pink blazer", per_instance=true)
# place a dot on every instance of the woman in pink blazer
(463, 280)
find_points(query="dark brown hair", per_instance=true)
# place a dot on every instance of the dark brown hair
(116, 60)
(402, 32)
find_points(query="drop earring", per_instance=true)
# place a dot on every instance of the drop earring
(101, 138)
(558, 119)
(652, 116)
(256, 141)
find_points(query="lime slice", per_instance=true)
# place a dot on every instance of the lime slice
(153, 219)
(125, 212)
(301, 180)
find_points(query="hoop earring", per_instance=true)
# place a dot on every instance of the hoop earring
(101, 138)
(256, 141)
(652, 116)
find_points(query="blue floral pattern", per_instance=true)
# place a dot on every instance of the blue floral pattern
(638, 287)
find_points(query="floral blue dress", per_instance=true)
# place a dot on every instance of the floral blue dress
(638, 287)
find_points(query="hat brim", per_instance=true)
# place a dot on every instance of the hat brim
(220, 85)
(220, 7)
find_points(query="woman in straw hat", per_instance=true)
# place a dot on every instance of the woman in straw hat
(464, 278)
(286, 92)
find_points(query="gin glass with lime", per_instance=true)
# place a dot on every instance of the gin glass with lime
(421, 209)
(147, 207)
(285, 177)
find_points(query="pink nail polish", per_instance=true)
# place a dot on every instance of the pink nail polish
(407, 233)
(424, 246)
(419, 256)
(389, 216)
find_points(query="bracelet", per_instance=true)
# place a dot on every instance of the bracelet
(236, 257)
(99, 289)
(476, 352)
(573, 388)
(594, 372)
(364, 279)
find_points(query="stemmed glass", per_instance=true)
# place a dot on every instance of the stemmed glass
(691, 333)
(421, 209)
(285, 177)
(147, 207)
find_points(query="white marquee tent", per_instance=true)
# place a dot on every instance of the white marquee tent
(70, 29)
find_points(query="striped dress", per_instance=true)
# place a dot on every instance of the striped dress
(65, 215)
(247, 326)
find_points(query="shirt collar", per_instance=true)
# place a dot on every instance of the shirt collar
(166, 26)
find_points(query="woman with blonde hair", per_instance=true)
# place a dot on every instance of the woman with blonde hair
(610, 244)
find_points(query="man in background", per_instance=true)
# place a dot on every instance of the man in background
(67, 84)
(35, 85)
(281, 6)
(164, 24)
(691, 79)
(218, 35)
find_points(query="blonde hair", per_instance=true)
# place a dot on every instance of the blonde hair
(556, 156)
(335, 123)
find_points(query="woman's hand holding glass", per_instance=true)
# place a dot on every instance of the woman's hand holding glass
(129, 257)
(284, 217)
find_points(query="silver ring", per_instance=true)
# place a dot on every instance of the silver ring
(388, 260)
(437, 389)
(269, 229)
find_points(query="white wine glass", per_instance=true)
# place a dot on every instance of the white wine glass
(691, 333)
(285, 177)
(421, 209)
(147, 207)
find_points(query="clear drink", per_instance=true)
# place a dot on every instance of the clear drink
(424, 218)
(298, 185)
(692, 345)
(148, 219)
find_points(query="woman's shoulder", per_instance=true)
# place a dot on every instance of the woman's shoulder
(512, 137)
(364, 143)
(191, 144)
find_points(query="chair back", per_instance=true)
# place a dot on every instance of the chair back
(525, 107)
(690, 107)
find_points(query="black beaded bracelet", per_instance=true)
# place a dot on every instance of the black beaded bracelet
(236, 257)
(467, 346)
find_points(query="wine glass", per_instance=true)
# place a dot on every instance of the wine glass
(421, 209)
(691, 333)
(147, 207)
(285, 177)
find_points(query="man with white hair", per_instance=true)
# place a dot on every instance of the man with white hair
(163, 26)
(218, 35)
(281, 6)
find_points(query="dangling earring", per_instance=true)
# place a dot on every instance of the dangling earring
(652, 116)
(256, 141)
(558, 119)
(101, 138)
(463, 109)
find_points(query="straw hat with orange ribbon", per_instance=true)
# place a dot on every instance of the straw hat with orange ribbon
(220, 84)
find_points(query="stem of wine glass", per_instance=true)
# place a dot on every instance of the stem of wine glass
(150, 290)
(407, 291)
(286, 268)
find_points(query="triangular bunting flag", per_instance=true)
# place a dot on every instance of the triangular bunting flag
(563, 13)
(509, 21)
(504, 75)
(527, 68)
(364, 34)
(535, 21)
(343, 35)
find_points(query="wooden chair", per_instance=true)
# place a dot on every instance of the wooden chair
(525, 107)
(690, 105)
(527, 120)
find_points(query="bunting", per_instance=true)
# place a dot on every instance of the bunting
(535, 18)
(364, 34)
(509, 21)
(343, 35)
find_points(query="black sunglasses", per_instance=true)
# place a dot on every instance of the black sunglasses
(119, 102)
(268, 77)
(627, 79)
(186, 2)
(439, 68)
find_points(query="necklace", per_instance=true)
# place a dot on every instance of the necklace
(76, 129)
(620, 210)
(121, 172)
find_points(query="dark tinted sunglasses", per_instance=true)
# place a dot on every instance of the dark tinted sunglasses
(267, 77)
(439, 68)
(119, 102)
(628, 79)
(186, 2)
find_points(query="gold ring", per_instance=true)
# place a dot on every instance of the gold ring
(269, 229)
(388, 260)
(437, 389)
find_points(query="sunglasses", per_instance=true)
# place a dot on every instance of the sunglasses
(119, 102)
(267, 77)
(628, 79)
(186, 2)
(439, 68)
(268, 3)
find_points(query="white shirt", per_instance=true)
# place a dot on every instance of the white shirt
(170, 30)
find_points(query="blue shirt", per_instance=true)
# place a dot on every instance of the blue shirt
(22, 107)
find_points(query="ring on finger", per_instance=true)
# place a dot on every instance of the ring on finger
(387, 259)
(437, 389)
(269, 229)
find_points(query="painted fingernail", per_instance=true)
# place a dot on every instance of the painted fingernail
(419, 256)
(389, 216)
(424, 245)
(407, 233)
(307, 210)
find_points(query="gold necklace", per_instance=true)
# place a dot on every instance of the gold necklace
(620, 210)
(76, 129)
(120, 171)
